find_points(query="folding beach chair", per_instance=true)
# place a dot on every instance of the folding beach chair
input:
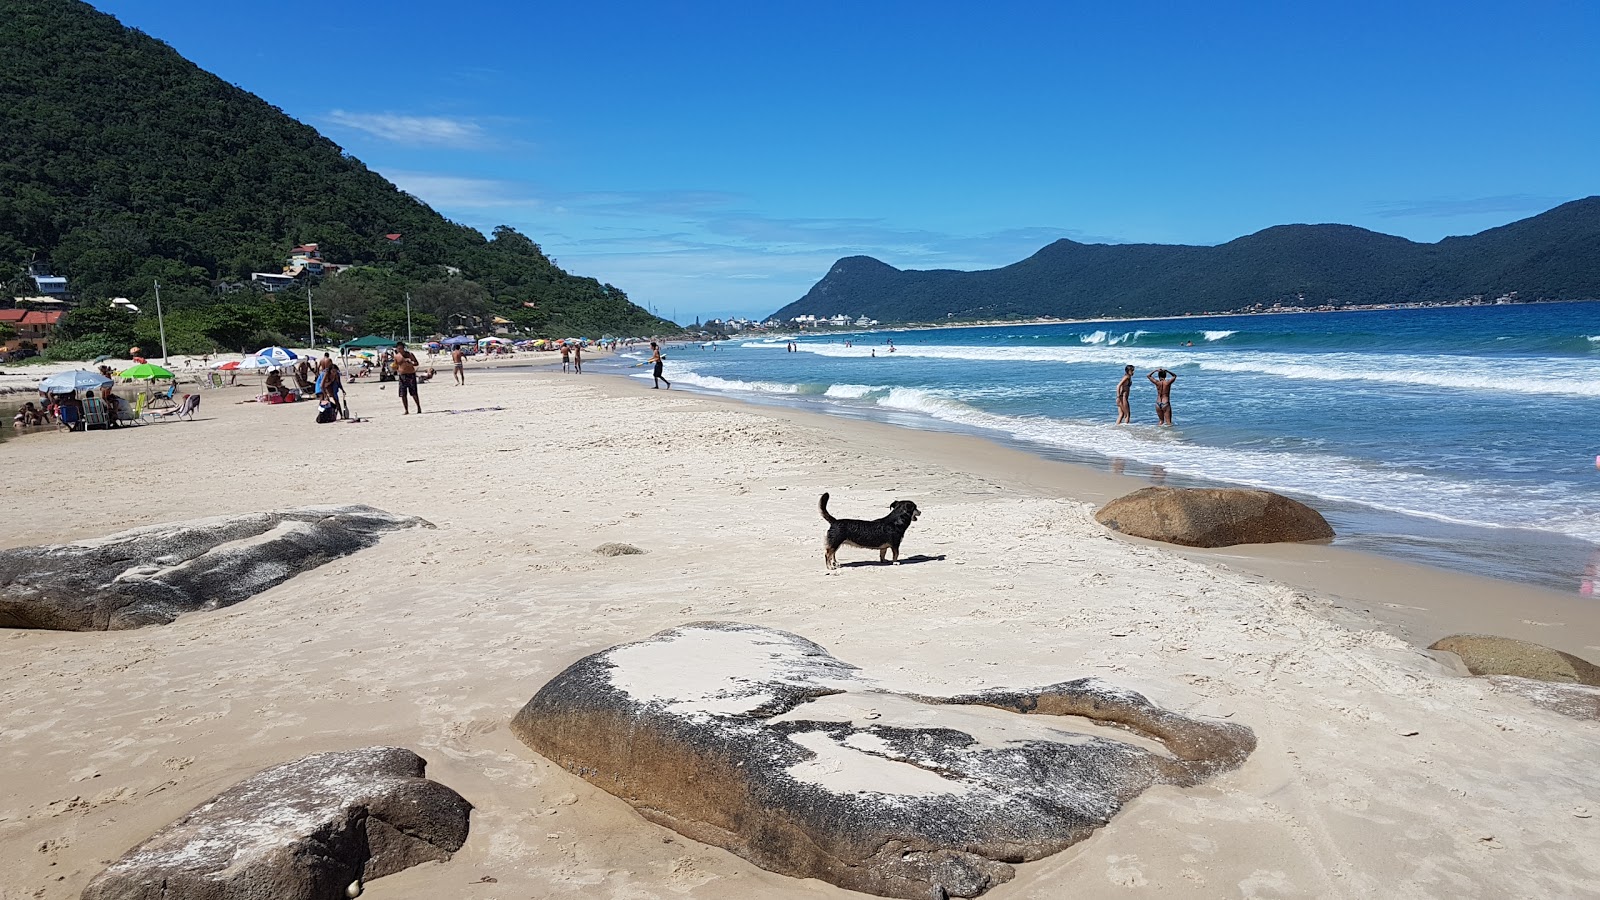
(191, 402)
(163, 401)
(94, 413)
(70, 419)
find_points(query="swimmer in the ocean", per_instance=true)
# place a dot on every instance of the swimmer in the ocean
(1124, 388)
(1163, 381)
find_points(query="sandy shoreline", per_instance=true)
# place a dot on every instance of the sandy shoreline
(1379, 771)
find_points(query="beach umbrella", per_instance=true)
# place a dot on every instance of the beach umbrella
(101, 358)
(277, 354)
(259, 362)
(229, 366)
(459, 340)
(71, 382)
(145, 370)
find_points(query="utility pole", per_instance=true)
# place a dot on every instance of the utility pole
(408, 317)
(311, 322)
(160, 322)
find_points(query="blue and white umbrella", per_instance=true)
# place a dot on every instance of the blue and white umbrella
(260, 362)
(277, 354)
(73, 381)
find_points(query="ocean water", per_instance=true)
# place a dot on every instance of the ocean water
(1463, 437)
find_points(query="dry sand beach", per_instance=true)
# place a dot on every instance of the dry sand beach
(1380, 770)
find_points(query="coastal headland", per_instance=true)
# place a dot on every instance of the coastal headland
(1381, 769)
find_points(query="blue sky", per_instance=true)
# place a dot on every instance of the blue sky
(714, 159)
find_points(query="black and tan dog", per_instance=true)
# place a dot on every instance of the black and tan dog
(883, 535)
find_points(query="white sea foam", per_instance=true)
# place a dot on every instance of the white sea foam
(849, 391)
(1095, 337)
(732, 384)
(1330, 476)
(1218, 335)
(1593, 338)
(1521, 375)
(1126, 337)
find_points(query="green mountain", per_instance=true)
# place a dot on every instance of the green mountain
(121, 163)
(1552, 256)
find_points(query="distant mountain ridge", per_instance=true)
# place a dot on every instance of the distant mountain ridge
(1552, 256)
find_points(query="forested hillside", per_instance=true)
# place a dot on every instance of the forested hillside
(1552, 256)
(123, 163)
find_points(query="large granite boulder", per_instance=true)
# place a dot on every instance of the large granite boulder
(151, 575)
(1213, 517)
(760, 742)
(313, 829)
(1488, 655)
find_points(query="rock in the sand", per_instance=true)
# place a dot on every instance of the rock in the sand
(614, 549)
(1213, 517)
(150, 576)
(1579, 701)
(760, 742)
(313, 829)
(1488, 655)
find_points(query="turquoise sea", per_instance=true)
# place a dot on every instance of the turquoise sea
(1460, 437)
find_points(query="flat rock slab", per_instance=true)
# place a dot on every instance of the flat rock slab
(151, 575)
(1485, 654)
(759, 741)
(312, 829)
(1579, 701)
(1213, 517)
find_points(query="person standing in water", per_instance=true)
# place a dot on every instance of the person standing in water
(1124, 388)
(405, 369)
(1163, 381)
(577, 359)
(658, 360)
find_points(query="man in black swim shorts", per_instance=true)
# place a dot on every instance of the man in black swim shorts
(405, 368)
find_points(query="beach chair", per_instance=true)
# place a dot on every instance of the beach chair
(164, 401)
(94, 414)
(191, 402)
(70, 420)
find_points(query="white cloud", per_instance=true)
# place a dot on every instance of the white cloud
(452, 192)
(430, 131)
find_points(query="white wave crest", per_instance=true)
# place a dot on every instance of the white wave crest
(849, 391)
(1218, 335)
(1552, 376)
(1329, 476)
(714, 383)
(1094, 337)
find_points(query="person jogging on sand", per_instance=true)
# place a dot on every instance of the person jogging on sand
(1124, 388)
(1163, 380)
(658, 359)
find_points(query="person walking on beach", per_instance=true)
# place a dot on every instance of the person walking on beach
(566, 358)
(1163, 381)
(577, 359)
(405, 369)
(1124, 388)
(658, 359)
(459, 359)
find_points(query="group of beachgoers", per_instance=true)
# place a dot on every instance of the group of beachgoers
(1163, 379)
(68, 409)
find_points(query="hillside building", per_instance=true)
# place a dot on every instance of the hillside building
(35, 327)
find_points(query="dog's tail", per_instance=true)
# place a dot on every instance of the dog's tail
(823, 505)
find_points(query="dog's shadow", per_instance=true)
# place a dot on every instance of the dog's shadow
(905, 561)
